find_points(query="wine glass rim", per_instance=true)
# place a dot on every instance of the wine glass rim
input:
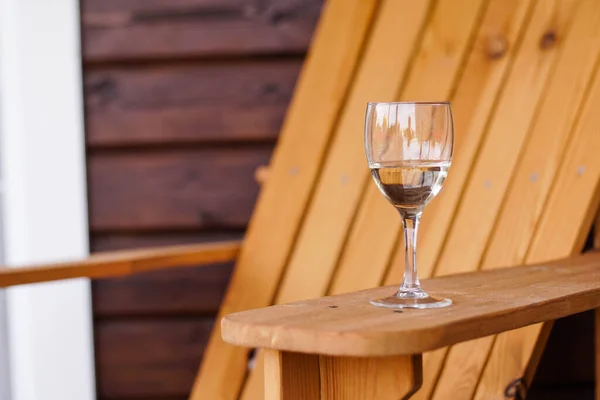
(410, 102)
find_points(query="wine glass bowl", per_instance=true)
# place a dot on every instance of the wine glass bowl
(409, 149)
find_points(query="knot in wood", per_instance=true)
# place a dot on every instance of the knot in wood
(496, 47)
(548, 40)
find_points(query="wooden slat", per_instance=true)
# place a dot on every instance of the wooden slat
(102, 242)
(483, 74)
(485, 301)
(572, 206)
(178, 189)
(491, 57)
(339, 191)
(121, 263)
(321, 91)
(166, 29)
(432, 77)
(531, 184)
(330, 213)
(508, 132)
(544, 152)
(473, 220)
(187, 103)
(189, 291)
(376, 378)
(180, 291)
(296, 376)
(149, 358)
(291, 376)
(488, 60)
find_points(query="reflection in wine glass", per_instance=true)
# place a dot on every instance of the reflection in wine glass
(409, 150)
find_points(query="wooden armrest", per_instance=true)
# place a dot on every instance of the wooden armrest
(485, 303)
(119, 263)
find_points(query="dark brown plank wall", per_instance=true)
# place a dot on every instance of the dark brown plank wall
(184, 99)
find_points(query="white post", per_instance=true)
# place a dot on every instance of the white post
(44, 213)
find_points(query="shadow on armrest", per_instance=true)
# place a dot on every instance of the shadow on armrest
(120, 263)
(485, 303)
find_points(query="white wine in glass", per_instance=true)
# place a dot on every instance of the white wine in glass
(409, 150)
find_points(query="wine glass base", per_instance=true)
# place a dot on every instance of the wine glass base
(418, 299)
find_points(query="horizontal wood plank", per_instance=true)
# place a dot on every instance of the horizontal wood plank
(484, 303)
(146, 359)
(180, 189)
(121, 263)
(188, 102)
(137, 29)
(181, 291)
(126, 241)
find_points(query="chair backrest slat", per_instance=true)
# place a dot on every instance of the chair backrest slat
(526, 198)
(523, 79)
(295, 165)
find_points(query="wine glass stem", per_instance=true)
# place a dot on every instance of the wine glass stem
(410, 222)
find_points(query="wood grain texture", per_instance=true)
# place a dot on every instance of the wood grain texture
(162, 29)
(376, 378)
(182, 103)
(321, 91)
(507, 128)
(474, 88)
(544, 151)
(572, 205)
(437, 64)
(291, 376)
(149, 358)
(103, 242)
(180, 291)
(531, 183)
(122, 263)
(338, 193)
(297, 376)
(491, 57)
(177, 291)
(507, 133)
(330, 213)
(484, 302)
(178, 189)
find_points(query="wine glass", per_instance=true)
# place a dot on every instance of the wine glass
(409, 149)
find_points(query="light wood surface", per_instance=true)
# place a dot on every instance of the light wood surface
(373, 378)
(530, 186)
(297, 376)
(507, 133)
(508, 68)
(491, 172)
(295, 165)
(485, 302)
(291, 376)
(331, 212)
(481, 82)
(572, 206)
(121, 263)
(437, 64)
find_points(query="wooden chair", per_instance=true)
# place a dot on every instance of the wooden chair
(523, 187)
(340, 347)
